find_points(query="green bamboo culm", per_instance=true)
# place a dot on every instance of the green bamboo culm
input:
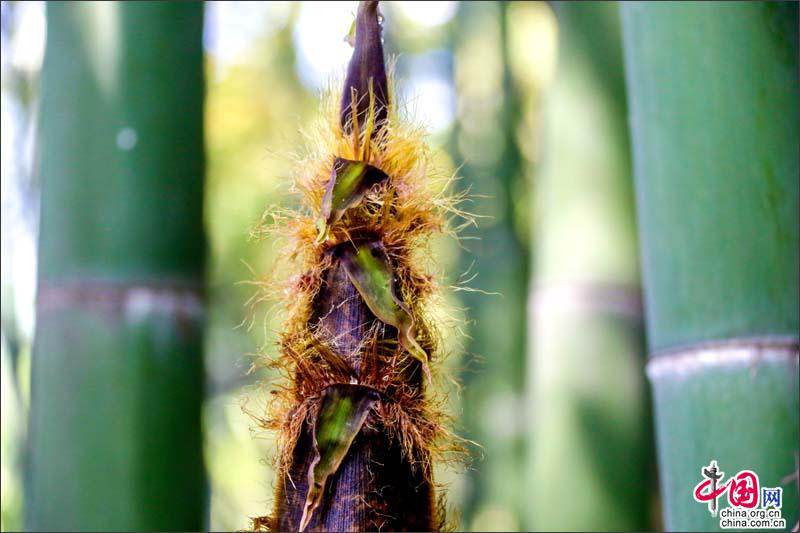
(117, 373)
(494, 369)
(591, 452)
(713, 96)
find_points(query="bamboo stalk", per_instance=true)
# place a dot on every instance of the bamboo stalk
(591, 452)
(713, 96)
(494, 354)
(117, 372)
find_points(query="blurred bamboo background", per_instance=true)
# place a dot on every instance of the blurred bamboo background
(526, 101)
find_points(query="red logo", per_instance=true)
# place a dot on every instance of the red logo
(742, 488)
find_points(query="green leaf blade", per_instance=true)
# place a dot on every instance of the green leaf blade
(342, 413)
(370, 270)
(349, 183)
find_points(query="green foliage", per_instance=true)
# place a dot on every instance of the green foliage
(496, 253)
(590, 455)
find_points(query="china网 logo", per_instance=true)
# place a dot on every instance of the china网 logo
(750, 506)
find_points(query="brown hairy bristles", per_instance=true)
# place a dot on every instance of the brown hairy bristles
(357, 430)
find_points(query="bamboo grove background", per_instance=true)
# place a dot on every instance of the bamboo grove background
(635, 168)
